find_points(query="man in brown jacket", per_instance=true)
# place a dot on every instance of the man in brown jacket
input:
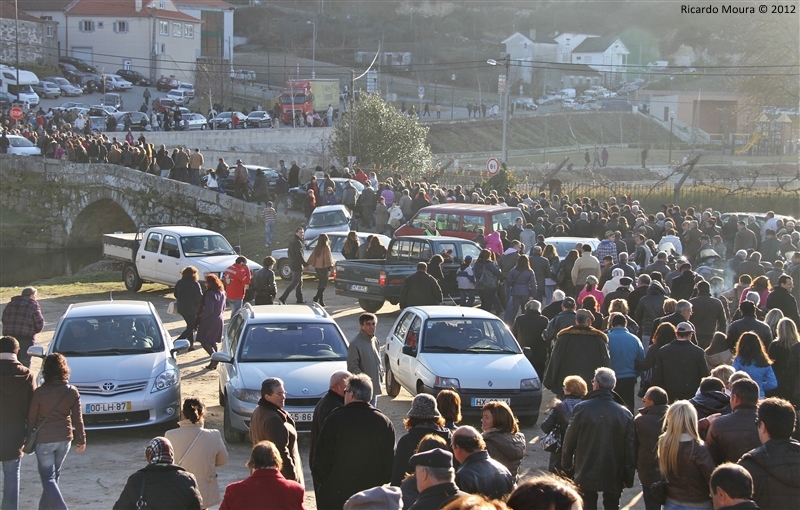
(196, 161)
(648, 427)
(731, 436)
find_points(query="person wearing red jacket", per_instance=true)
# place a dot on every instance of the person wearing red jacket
(265, 478)
(236, 279)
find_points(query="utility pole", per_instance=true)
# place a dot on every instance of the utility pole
(16, 41)
(350, 112)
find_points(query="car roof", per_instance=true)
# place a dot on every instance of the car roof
(185, 230)
(471, 207)
(452, 312)
(584, 240)
(100, 308)
(287, 313)
(435, 238)
(326, 208)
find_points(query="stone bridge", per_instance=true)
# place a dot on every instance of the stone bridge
(48, 204)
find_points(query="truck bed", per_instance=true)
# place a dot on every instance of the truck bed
(120, 246)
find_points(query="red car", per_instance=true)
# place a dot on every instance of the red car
(162, 103)
(167, 84)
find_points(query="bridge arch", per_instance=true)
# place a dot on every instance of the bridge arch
(100, 217)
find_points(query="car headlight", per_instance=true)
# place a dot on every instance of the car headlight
(446, 382)
(530, 384)
(252, 396)
(166, 379)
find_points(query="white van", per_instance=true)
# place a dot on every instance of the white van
(567, 94)
(22, 91)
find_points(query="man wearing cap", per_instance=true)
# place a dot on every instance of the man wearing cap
(579, 350)
(436, 479)
(420, 289)
(607, 247)
(306, 173)
(680, 365)
(479, 473)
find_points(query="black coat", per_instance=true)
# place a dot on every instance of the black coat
(775, 468)
(420, 289)
(745, 324)
(16, 393)
(683, 285)
(708, 317)
(480, 474)
(680, 365)
(781, 298)
(578, 351)
(167, 487)
(294, 176)
(187, 296)
(601, 438)
(436, 497)
(354, 452)
(711, 402)
(325, 407)
(406, 446)
(295, 254)
(528, 329)
(648, 427)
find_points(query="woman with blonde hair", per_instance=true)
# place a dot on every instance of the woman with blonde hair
(620, 305)
(561, 412)
(505, 443)
(683, 460)
(772, 318)
(786, 346)
(321, 260)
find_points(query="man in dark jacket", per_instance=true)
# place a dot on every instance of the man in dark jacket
(782, 299)
(794, 272)
(650, 307)
(648, 425)
(749, 322)
(642, 286)
(355, 449)
(775, 464)
(579, 350)
(683, 310)
(420, 289)
(296, 262)
(659, 265)
(562, 321)
(554, 308)
(683, 285)
(479, 473)
(294, 175)
(528, 329)
(16, 392)
(680, 365)
(752, 266)
(435, 479)
(334, 399)
(711, 399)
(622, 292)
(600, 443)
(22, 319)
(732, 435)
(732, 488)
(541, 268)
(708, 315)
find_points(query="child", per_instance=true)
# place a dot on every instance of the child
(466, 282)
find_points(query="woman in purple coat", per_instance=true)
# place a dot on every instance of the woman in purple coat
(209, 320)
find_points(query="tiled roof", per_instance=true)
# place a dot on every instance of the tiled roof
(7, 12)
(44, 5)
(123, 8)
(204, 3)
(595, 44)
(581, 69)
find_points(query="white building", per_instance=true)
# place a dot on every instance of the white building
(529, 56)
(217, 29)
(608, 55)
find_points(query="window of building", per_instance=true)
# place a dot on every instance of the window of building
(188, 31)
(121, 27)
(46, 18)
(163, 28)
(161, 5)
(177, 29)
(86, 26)
(50, 31)
(163, 48)
(99, 25)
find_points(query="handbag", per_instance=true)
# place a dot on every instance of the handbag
(30, 438)
(657, 492)
(551, 442)
(141, 503)
(172, 308)
(488, 280)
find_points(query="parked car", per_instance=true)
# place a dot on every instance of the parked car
(134, 77)
(336, 241)
(327, 218)
(6, 100)
(112, 99)
(565, 244)
(64, 86)
(109, 109)
(179, 96)
(224, 120)
(295, 196)
(167, 84)
(114, 82)
(194, 121)
(525, 103)
(187, 88)
(461, 220)
(122, 361)
(300, 344)
(79, 64)
(547, 99)
(259, 119)
(162, 103)
(471, 351)
(22, 146)
(271, 175)
(88, 82)
(45, 89)
(139, 121)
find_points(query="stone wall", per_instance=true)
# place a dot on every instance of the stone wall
(56, 203)
(34, 43)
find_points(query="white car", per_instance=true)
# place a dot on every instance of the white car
(46, 89)
(110, 110)
(336, 241)
(328, 218)
(181, 97)
(22, 146)
(300, 344)
(188, 88)
(195, 121)
(432, 348)
(565, 244)
(116, 82)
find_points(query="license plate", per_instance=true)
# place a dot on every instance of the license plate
(108, 407)
(480, 402)
(359, 288)
(302, 417)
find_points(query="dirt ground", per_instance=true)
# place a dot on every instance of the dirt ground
(95, 478)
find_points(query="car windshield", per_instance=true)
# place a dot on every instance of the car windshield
(18, 141)
(224, 115)
(462, 335)
(293, 342)
(327, 219)
(201, 246)
(256, 114)
(109, 335)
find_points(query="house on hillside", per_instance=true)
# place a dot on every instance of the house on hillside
(568, 41)
(38, 38)
(607, 55)
(149, 36)
(530, 56)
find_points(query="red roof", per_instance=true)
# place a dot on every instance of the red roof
(7, 12)
(44, 5)
(204, 3)
(124, 8)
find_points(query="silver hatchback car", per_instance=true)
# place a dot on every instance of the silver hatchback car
(122, 361)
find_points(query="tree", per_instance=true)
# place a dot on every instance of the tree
(382, 136)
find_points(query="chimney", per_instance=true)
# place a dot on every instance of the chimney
(533, 35)
(138, 5)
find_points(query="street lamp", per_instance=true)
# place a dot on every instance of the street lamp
(671, 119)
(313, 49)
(507, 63)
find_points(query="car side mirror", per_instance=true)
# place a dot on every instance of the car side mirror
(409, 351)
(36, 351)
(237, 249)
(221, 357)
(180, 346)
(528, 352)
(174, 254)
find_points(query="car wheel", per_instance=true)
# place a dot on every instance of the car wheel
(284, 270)
(220, 396)
(289, 202)
(392, 386)
(231, 435)
(202, 127)
(131, 278)
(230, 125)
(370, 305)
(63, 93)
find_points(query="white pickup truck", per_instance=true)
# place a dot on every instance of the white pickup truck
(158, 254)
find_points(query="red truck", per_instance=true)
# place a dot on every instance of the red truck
(301, 97)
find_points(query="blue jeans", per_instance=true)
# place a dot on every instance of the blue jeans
(221, 183)
(674, 505)
(269, 226)
(50, 457)
(513, 306)
(548, 294)
(235, 305)
(11, 484)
